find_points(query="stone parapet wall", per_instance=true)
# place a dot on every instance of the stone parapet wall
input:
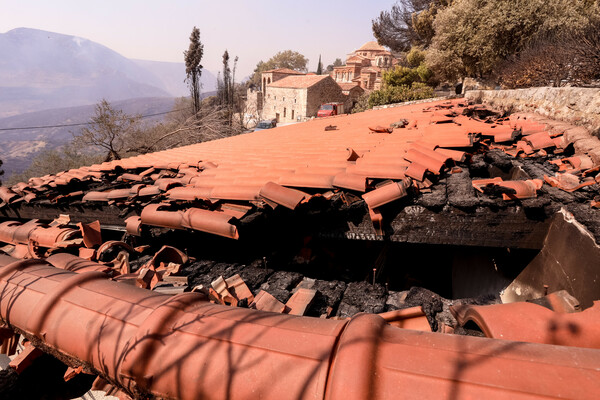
(579, 106)
(408, 103)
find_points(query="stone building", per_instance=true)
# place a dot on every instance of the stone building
(274, 75)
(353, 91)
(364, 66)
(296, 97)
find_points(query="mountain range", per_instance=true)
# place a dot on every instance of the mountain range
(43, 70)
(49, 78)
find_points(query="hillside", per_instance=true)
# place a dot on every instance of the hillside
(18, 147)
(44, 70)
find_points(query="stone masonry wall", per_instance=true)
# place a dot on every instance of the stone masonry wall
(290, 99)
(326, 91)
(579, 106)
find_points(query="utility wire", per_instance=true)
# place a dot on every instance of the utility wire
(81, 123)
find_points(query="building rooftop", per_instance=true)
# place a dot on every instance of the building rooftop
(284, 71)
(371, 46)
(298, 82)
(348, 85)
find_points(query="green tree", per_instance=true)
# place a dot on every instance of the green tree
(409, 23)
(400, 76)
(193, 68)
(283, 59)
(320, 67)
(111, 130)
(400, 94)
(473, 37)
(337, 63)
(415, 57)
(226, 90)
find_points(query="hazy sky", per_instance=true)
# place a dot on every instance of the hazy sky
(254, 30)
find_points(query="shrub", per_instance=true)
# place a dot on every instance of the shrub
(400, 94)
(415, 57)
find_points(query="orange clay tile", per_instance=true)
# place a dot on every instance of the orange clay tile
(238, 288)
(416, 171)
(73, 263)
(25, 358)
(286, 197)
(579, 162)
(189, 193)
(528, 322)
(92, 236)
(386, 193)
(266, 302)
(540, 140)
(480, 183)
(377, 220)
(96, 196)
(7, 195)
(182, 346)
(523, 189)
(87, 254)
(300, 301)
(350, 181)
(133, 225)
(407, 318)
(433, 164)
(210, 222)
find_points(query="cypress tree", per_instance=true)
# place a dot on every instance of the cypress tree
(320, 67)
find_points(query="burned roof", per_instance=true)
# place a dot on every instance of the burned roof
(442, 172)
(430, 155)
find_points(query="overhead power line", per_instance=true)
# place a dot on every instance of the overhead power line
(80, 123)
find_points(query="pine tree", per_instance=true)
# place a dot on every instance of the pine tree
(320, 67)
(193, 68)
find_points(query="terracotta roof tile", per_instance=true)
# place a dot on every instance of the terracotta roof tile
(287, 165)
(347, 85)
(371, 46)
(303, 81)
(284, 71)
(506, 321)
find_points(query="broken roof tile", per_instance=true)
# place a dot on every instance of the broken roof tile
(427, 158)
(540, 140)
(350, 181)
(528, 322)
(286, 197)
(387, 193)
(266, 302)
(416, 171)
